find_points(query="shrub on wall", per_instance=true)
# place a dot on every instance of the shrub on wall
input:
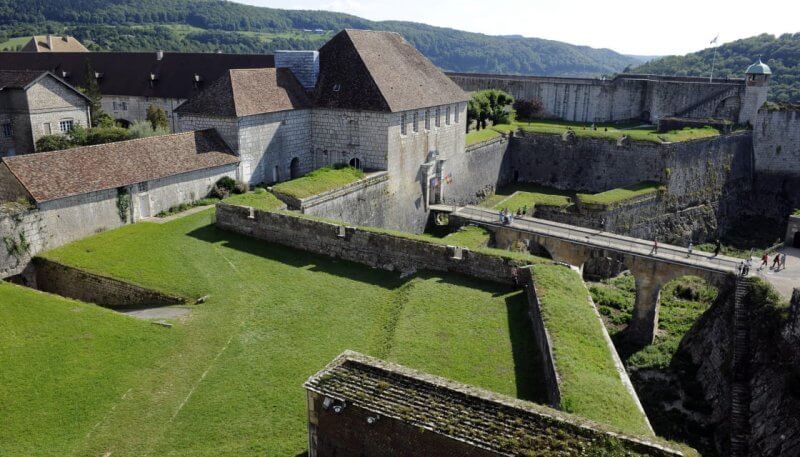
(80, 136)
(144, 129)
(226, 186)
(123, 203)
(53, 143)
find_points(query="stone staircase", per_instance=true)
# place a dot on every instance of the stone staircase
(721, 94)
(740, 385)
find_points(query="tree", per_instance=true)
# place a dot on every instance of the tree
(143, 129)
(157, 118)
(529, 109)
(491, 104)
(92, 91)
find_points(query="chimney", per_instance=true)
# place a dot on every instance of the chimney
(50, 42)
(65, 39)
(304, 65)
(159, 55)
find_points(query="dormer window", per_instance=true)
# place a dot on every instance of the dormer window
(65, 74)
(337, 87)
(97, 75)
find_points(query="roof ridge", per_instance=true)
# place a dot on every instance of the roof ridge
(90, 146)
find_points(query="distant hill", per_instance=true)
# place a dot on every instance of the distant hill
(782, 54)
(214, 25)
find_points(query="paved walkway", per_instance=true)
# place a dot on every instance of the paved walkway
(785, 280)
(604, 240)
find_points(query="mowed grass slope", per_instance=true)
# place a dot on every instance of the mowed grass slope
(319, 181)
(590, 384)
(227, 380)
(65, 364)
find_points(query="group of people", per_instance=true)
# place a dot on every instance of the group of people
(507, 217)
(777, 264)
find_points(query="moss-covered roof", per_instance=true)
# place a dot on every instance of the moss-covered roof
(468, 414)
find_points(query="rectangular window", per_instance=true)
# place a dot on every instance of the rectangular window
(8, 130)
(142, 186)
(427, 119)
(447, 115)
(403, 126)
(47, 129)
(438, 117)
(66, 125)
(115, 108)
(415, 123)
(124, 106)
(457, 114)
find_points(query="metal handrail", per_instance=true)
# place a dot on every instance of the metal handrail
(599, 238)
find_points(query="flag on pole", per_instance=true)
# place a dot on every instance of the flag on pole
(716, 38)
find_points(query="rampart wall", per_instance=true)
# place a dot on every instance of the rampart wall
(625, 97)
(375, 249)
(776, 138)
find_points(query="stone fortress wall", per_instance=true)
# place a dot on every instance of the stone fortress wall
(622, 98)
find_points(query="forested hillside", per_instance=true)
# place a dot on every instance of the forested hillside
(214, 25)
(782, 54)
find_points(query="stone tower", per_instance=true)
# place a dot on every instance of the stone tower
(755, 94)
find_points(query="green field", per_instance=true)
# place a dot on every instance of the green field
(590, 384)
(615, 132)
(319, 181)
(521, 194)
(621, 194)
(13, 43)
(227, 379)
(478, 136)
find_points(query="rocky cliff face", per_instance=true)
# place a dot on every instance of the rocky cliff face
(702, 375)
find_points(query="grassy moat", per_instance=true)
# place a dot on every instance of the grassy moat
(227, 379)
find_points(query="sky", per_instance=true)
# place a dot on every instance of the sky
(664, 27)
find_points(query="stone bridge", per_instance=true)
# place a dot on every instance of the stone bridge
(575, 245)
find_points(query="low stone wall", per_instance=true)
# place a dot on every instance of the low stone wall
(71, 282)
(360, 203)
(544, 344)
(377, 250)
(22, 236)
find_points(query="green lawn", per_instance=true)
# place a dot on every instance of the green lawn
(471, 236)
(478, 136)
(13, 43)
(614, 196)
(519, 195)
(319, 181)
(259, 199)
(796, 212)
(615, 132)
(590, 384)
(226, 380)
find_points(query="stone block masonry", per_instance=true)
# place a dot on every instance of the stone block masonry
(776, 141)
(375, 249)
(71, 282)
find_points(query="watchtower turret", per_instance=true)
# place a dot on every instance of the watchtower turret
(757, 79)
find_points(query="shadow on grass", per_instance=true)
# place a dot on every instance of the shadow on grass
(527, 361)
(299, 258)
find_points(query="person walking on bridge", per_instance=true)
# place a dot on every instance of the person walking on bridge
(691, 247)
(717, 247)
(764, 261)
(654, 251)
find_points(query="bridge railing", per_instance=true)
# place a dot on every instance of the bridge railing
(600, 239)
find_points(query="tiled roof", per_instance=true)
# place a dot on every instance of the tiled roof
(41, 43)
(481, 418)
(380, 71)
(245, 92)
(11, 79)
(59, 174)
(129, 73)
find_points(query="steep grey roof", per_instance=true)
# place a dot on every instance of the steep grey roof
(380, 71)
(128, 73)
(245, 92)
(484, 419)
(59, 174)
